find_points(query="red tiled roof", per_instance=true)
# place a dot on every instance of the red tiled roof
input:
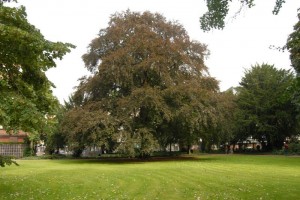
(4, 133)
(12, 137)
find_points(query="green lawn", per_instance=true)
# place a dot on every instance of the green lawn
(202, 177)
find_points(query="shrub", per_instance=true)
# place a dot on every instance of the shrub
(294, 148)
(77, 151)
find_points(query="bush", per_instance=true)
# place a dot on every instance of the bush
(77, 151)
(278, 152)
(294, 148)
(45, 157)
(28, 152)
(53, 156)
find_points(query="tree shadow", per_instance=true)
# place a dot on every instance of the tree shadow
(137, 160)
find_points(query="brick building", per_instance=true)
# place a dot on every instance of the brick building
(12, 144)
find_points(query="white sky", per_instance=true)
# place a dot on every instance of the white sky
(245, 40)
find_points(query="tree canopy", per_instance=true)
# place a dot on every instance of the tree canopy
(214, 18)
(293, 45)
(266, 110)
(26, 102)
(149, 86)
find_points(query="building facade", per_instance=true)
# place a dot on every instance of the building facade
(12, 144)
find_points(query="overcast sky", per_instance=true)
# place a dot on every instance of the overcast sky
(245, 40)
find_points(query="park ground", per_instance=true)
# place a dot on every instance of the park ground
(196, 177)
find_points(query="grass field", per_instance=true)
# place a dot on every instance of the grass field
(201, 177)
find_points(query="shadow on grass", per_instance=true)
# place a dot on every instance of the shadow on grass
(137, 160)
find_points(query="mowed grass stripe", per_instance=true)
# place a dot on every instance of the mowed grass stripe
(202, 177)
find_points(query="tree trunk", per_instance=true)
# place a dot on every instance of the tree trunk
(203, 146)
(32, 148)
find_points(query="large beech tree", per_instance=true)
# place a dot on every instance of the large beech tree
(149, 80)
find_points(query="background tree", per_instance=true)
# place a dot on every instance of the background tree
(266, 111)
(225, 131)
(218, 9)
(55, 139)
(293, 46)
(26, 99)
(151, 79)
